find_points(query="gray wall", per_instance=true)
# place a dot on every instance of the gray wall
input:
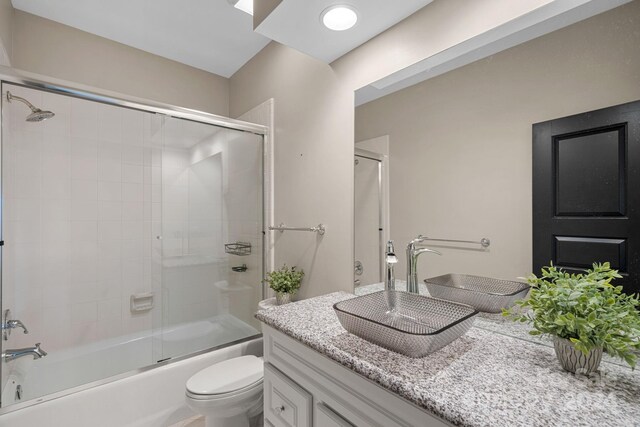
(314, 130)
(52, 49)
(6, 31)
(313, 181)
(313, 104)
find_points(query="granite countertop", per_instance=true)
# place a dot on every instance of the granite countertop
(482, 379)
(494, 322)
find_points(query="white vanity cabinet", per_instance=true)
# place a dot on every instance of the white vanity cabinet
(303, 388)
(286, 404)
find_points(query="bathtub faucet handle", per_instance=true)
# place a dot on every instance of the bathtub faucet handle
(8, 324)
(11, 324)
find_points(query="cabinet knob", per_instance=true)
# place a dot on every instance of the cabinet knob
(279, 409)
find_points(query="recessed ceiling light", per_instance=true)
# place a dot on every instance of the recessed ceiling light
(339, 17)
(244, 5)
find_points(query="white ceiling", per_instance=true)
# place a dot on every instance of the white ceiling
(208, 34)
(213, 35)
(543, 20)
(296, 23)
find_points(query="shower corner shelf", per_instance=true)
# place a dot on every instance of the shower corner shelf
(238, 248)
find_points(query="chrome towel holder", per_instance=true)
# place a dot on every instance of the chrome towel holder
(484, 242)
(282, 228)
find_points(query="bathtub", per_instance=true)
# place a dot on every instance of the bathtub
(153, 397)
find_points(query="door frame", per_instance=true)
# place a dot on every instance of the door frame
(383, 201)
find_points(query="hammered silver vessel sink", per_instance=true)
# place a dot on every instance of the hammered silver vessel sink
(410, 324)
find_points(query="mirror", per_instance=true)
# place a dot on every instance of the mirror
(459, 145)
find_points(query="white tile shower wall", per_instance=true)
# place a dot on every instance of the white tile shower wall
(80, 228)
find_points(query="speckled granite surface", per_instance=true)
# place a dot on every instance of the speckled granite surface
(482, 379)
(494, 322)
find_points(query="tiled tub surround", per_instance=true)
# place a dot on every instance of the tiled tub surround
(78, 193)
(87, 195)
(103, 202)
(481, 379)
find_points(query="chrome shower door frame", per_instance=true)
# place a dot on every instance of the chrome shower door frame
(33, 81)
(382, 227)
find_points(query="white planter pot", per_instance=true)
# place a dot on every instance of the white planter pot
(282, 298)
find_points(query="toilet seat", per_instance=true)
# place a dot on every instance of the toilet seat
(226, 378)
(228, 393)
(219, 396)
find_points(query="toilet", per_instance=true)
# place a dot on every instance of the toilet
(228, 393)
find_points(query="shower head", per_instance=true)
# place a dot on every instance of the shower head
(37, 115)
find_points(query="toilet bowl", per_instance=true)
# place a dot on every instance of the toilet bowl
(228, 393)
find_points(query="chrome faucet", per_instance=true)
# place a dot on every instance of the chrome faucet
(36, 352)
(391, 260)
(9, 324)
(412, 262)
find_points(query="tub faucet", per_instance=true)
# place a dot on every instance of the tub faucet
(12, 324)
(8, 324)
(12, 354)
(412, 262)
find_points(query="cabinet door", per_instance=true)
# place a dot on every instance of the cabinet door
(327, 417)
(286, 404)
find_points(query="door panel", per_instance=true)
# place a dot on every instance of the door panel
(602, 153)
(586, 198)
(580, 252)
(368, 222)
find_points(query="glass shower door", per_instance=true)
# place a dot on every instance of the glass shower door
(130, 238)
(211, 235)
(368, 221)
(77, 196)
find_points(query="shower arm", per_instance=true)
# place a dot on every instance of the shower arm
(11, 97)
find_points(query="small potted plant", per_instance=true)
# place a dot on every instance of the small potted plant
(585, 314)
(285, 282)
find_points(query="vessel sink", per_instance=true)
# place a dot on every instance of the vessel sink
(407, 323)
(483, 293)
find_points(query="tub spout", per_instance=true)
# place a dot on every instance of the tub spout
(36, 352)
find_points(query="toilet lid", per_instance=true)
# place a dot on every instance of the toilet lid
(227, 376)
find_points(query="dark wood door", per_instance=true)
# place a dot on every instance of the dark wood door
(586, 192)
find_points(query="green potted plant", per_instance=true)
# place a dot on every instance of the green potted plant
(285, 282)
(585, 314)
